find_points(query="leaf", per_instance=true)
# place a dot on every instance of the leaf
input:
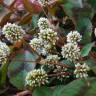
(28, 6)
(76, 3)
(5, 19)
(86, 49)
(92, 3)
(84, 26)
(20, 66)
(67, 62)
(35, 21)
(3, 74)
(26, 19)
(76, 88)
(42, 91)
(68, 9)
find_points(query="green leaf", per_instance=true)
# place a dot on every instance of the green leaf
(42, 91)
(76, 88)
(19, 67)
(92, 3)
(35, 21)
(76, 3)
(86, 49)
(70, 90)
(67, 62)
(68, 9)
(3, 74)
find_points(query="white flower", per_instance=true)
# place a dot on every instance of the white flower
(47, 46)
(52, 59)
(36, 43)
(74, 37)
(48, 35)
(13, 32)
(71, 51)
(43, 2)
(4, 52)
(81, 70)
(43, 23)
(36, 78)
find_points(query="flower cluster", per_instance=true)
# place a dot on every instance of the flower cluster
(71, 51)
(81, 70)
(36, 78)
(4, 52)
(74, 37)
(52, 58)
(36, 43)
(46, 39)
(48, 35)
(43, 23)
(13, 32)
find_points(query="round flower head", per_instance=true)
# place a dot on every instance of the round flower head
(36, 78)
(48, 35)
(13, 32)
(36, 43)
(81, 70)
(52, 58)
(43, 23)
(74, 37)
(4, 52)
(71, 51)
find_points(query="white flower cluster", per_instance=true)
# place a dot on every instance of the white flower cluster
(13, 32)
(74, 37)
(43, 2)
(36, 78)
(52, 59)
(71, 51)
(43, 23)
(4, 52)
(81, 70)
(36, 43)
(46, 37)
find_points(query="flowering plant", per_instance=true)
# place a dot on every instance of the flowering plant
(48, 47)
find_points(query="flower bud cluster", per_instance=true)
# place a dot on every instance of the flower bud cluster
(46, 39)
(13, 32)
(71, 50)
(74, 37)
(81, 70)
(4, 52)
(36, 78)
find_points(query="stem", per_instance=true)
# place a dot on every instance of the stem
(59, 74)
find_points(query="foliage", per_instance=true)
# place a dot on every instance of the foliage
(64, 16)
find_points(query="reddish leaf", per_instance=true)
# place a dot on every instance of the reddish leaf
(26, 19)
(5, 19)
